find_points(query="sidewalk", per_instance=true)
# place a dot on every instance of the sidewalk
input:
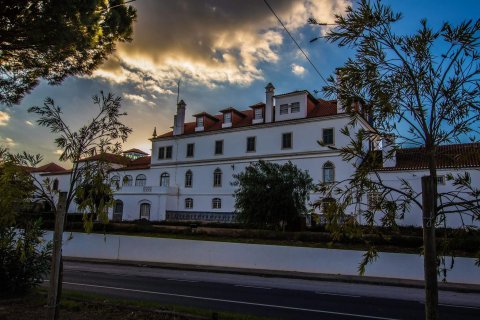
(445, 286)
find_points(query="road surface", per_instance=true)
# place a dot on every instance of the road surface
(277, 298)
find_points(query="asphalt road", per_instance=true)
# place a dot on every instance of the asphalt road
(278, 298)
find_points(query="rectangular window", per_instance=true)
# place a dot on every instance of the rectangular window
(219, 147)
(251, 144)
(258, 113)
(373, 200)
(168, 152)
(190, 149)
(227, 117)
(284, 109)
(188, 203)
(287, 140)
(161, 153)
(217, 203)
(295, 107)
(328, 136)
(441, 180)
(199, 122)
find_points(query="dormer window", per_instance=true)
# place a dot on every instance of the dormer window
(199, 122)
(258, 113)
(227, 117)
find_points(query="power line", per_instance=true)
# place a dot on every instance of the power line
(295, 41)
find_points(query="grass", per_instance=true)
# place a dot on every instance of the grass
(73, 299)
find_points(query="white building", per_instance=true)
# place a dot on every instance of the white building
(189, 174)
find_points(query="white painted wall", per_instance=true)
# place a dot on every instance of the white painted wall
(255, 256)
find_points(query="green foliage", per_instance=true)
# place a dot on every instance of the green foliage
(103, 134)
(271, 195)
(16, 188)
(420, 89)
(93, 197)
(52, 40)
(24, 258)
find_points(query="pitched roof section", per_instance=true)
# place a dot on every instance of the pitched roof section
(465, 155)
(49, 167)
(108, 157)
(137, 164)
(322, 108)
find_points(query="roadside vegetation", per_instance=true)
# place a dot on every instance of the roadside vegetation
(401, 239)
(87, 306)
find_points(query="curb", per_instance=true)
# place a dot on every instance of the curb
(394, 282)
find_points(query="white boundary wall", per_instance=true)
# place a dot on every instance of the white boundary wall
(255, 256)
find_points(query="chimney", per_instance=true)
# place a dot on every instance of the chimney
(340, 107)
(179, 119)
(269, 92)
(389, 154)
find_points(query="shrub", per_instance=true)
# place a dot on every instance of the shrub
(24, 259)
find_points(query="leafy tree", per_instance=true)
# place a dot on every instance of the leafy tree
(102, 135)
(16, 188)
(271, 195)
(24, 257)
(53, 39)
(421, 89)
(93, 197)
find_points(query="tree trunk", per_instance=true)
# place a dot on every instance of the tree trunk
(429, 245)
(53, 292)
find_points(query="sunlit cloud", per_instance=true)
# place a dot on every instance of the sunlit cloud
(208, 43)
(4, 118)
(298, 70)
(7, 142)
(30, 123)
(137, 99)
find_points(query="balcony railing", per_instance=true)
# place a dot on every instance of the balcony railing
(220, 217)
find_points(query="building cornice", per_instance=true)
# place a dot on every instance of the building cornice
(253, 126)
(249, 158)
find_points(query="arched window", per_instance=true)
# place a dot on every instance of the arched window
(217, 178)
(188, 179)
(127, 181)
(145, 211)
(328, 172)
(118, 210)
(55, 185)
(115, 181)
(188, 203)
(140, 180)
(216, 203)
(164, 180)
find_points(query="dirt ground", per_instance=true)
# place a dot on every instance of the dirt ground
(32, 307)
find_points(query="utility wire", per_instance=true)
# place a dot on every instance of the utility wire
(295, 41)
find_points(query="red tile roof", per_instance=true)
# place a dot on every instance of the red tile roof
(322, 108)
(137, 164)
(465, 155)
(49, 167)
(108, 157)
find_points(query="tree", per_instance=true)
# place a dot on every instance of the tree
(99, 137)
(272, 195)
(53, 39)
(421, 89)
(24, 258)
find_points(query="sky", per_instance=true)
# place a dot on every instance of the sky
(223, 52)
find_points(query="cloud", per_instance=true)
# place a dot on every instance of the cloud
(7, 142)
(137, 99)
(208, 43)
(4, 118)
(58, 152)
(298, 70)
(30, 123)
